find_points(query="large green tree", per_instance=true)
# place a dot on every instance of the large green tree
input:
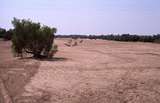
(31, 37)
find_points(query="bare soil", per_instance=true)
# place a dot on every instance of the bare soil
(94, 71)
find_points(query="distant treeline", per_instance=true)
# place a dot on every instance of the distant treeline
(123, 37)
(7, 35)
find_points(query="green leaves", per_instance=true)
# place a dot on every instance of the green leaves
(32, 37)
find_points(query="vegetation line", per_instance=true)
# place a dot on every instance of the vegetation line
(123, 37)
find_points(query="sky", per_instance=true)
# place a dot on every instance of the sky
(86, 16)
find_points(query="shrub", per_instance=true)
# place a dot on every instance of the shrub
(31, 37)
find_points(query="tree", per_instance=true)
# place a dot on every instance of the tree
(31, 37)
(2, 32)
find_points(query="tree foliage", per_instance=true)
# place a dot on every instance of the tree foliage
(31, 37)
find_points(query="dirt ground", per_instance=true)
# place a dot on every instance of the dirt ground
(94, 71)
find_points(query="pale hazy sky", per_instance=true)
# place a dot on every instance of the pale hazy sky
(86, 16)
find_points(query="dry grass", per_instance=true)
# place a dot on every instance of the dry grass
(95, 71)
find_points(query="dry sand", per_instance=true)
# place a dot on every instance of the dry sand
(95, 71)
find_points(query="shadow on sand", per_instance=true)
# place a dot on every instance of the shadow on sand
(54, 59)
(45, 59)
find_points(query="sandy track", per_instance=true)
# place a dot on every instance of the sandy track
(97, 71)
